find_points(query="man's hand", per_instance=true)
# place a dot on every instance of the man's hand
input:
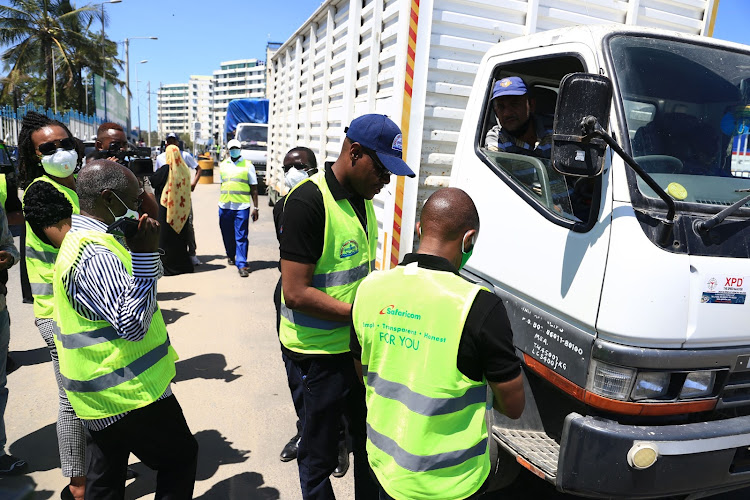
(254, 214)
(6, 260)
(146, 240)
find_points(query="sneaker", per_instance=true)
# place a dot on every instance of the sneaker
(11, 465)
(196, 260)
(230, 261)
(244, 272)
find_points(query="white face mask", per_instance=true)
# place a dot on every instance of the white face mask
(129, 212)
(294, 177)
(60, 164)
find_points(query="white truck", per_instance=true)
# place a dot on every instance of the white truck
(624, 268)
(253, 137)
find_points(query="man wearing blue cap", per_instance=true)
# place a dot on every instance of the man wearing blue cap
(327, 239)
(519, 130)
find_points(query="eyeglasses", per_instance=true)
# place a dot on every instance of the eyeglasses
(115, 146)
(380, 169)
(49, 148)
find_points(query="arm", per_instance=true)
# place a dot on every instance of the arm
(8, 251)
(126, 302)
(196, 178)
(296, 281)
(149, 204)
(254, 196)
(509, 397)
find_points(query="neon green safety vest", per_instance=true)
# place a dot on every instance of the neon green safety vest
(102, 373)
(235, 187)
(348, 256)
(40, 257)
(3, 190)
(426, 430)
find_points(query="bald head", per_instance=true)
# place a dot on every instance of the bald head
(99, 175)
(448, 214)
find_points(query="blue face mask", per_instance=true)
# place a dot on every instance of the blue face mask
(235, 153)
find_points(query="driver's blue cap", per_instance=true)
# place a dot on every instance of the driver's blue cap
(511, 85)
(380, 134)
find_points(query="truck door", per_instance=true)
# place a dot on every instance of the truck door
(543, 237)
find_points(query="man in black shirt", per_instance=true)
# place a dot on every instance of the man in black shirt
(442, 339)
(328, 236)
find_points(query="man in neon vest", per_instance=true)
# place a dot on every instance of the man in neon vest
(328, 239)
(116, 360)
(429, 343)
(239, 186)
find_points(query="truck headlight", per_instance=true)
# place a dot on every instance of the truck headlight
(698, 384)
(650, 385)
(610, 381)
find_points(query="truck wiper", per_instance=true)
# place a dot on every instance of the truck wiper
(705, 226)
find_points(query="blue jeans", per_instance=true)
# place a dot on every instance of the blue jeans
(4, 343)
(233, 225)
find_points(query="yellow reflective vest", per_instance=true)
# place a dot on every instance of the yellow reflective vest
(348, 256)
(40, 257)
(426, 431)
(235, 187)
(102, 373)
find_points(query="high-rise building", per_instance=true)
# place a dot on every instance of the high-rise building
(199, 107)
(244, 78)
(173, 109)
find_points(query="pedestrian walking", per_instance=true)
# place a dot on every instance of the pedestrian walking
(327, 246)
(239, 191)
(428, 343)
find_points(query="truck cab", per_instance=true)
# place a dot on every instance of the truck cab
(626, 292)
(254, 140)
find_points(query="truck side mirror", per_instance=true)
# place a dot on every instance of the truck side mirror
(581, 97)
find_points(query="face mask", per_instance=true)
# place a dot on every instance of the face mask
(294, 177)
(129, 212)
(60, 164)
(464, 253)
(235, 153)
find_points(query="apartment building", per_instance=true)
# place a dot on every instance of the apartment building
(244, 78)
(200, 106)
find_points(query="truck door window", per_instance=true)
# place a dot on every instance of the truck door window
(516, 138)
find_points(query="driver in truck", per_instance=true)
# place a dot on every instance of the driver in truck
(519, 130)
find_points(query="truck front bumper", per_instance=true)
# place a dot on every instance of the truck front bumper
(691, 458)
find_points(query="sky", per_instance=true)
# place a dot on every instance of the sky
(195, 36)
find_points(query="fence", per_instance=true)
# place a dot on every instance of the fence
(81, 126)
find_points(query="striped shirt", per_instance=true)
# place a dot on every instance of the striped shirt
(498, 139)
(101, 289)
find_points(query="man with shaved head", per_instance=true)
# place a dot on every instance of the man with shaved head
(427, 343)
(116, 361)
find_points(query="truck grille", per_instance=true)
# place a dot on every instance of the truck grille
(736, 391)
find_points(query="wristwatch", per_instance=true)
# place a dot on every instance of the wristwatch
(256, 209)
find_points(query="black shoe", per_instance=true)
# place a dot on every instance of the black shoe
(10, 465)
(230, 261)
(130, 474)
(244, 272)
(289, 452)
(11, 365)
(343, 466)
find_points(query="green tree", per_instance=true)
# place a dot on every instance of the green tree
(33, 29)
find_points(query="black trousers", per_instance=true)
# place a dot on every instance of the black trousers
(159, 436)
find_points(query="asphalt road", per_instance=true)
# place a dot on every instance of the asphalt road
(230, 380)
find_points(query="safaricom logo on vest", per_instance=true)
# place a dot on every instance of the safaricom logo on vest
(392, 310)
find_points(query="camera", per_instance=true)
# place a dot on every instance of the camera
(137, 159)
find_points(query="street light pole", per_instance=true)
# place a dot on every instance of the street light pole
(137, 94)
(127, 74)
(104, 77)
(149, 113)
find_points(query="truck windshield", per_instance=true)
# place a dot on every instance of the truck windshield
(687, 110)
(252, 135)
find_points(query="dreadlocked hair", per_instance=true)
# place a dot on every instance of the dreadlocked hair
(30, 166)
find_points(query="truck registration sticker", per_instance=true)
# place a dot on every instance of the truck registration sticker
(725, 290)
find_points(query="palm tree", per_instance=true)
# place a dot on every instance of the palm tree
(32, 29)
